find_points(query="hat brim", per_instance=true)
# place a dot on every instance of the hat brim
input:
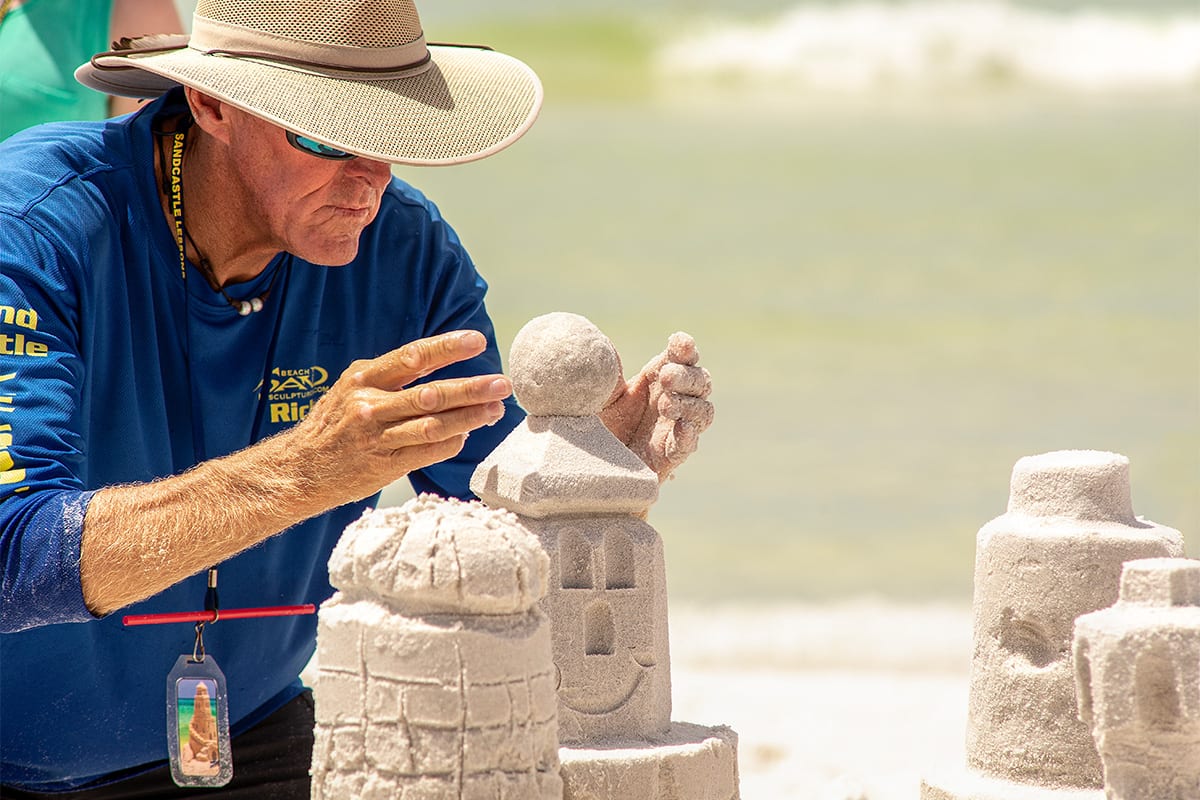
(471, 103)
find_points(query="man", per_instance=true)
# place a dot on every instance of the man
(222, 319)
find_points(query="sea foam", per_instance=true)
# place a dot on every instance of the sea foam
(871, 46)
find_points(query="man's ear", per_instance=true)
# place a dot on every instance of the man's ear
(211, 114)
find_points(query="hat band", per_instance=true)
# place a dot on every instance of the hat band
(213, 37)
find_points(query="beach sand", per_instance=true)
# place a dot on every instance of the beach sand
(853, 701)
(848, 701)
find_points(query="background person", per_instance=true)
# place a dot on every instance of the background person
(43, 41)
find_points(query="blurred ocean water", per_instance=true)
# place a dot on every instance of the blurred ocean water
(937, 44)
(915, 242)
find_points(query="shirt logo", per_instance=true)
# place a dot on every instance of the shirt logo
(294, 392)
(21, 344)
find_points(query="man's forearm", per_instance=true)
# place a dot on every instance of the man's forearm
(364, 433)
(140, 539)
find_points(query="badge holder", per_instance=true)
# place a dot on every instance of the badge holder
(197, 702)
(198, 720)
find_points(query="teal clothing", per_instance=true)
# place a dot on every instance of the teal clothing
(41, 44)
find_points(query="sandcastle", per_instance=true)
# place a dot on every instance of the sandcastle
(202, 744)
(1055, 555)
(1138, 681)
(582, 493)
(435, 677)
(438, 675)
(521, 651)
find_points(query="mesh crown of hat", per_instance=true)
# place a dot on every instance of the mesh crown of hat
(353, 74)
(350, 23)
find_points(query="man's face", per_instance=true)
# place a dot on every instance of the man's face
(314, 208)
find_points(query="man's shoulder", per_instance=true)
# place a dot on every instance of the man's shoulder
(409, 231)
(402, 195)
(61, 174)
(406, 213)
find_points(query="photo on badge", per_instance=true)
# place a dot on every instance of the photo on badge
(199, 749)
(198, 724)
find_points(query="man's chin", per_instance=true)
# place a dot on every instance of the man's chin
(333, 256)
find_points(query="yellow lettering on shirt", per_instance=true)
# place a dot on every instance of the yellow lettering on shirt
(18, 345)
(290, 412)
(21, 317)
(8, 471)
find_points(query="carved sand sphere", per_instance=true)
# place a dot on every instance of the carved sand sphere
(581, 491)
(1055, 555)
(1137, 668)
(563, 367)
(435, 676)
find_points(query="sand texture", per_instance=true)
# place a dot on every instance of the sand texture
(1137, 668)
(434, 674)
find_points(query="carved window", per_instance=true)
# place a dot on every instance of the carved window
(1157, 690)
(574, 560)
(618, 560)
(599, 635)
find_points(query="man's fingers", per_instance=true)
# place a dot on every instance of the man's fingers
(680, 356)
(695, 410)
(391, 407)
(684, 439)
(402, 366)
(648, 374)
(452, 393)
(440, 427)
(681, 349)
(671, 443)
(694, 381)
(423, 455)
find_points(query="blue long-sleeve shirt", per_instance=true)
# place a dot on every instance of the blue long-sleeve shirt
(113, 369)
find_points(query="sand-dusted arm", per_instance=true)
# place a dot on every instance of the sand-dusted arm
(366, 432)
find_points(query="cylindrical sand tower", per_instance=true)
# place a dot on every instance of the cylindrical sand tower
(1055, 555)
(435, 675)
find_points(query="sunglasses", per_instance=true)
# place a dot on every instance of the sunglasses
(315, 148)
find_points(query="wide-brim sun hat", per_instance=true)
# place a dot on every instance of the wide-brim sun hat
(357, 75)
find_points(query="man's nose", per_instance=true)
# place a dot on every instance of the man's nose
(378, 173)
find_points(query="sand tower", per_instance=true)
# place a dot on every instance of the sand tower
(1137, 669)
(435, 677)
(1055, 555)
(583, 494)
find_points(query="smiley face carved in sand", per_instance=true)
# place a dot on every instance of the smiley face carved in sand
(599, 585)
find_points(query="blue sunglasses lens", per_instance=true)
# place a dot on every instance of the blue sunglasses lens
(315, 148)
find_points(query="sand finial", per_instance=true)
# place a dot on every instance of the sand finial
(562, 459)
(563, 366)
(1078, 484)
(436, 556)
